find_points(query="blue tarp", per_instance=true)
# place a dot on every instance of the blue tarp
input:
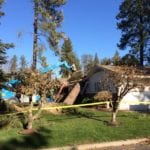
(6, 94)
(12, 82)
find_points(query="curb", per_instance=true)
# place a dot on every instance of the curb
(100, 145)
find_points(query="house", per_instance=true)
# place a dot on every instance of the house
(132, 100)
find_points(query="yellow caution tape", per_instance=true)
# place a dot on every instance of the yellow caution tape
(72, 106)
(79, 105)
(58, 107)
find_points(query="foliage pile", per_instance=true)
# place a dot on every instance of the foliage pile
(33, 82)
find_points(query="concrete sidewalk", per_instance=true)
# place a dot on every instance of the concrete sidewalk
(95, 146)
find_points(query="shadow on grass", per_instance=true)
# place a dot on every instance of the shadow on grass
(104, 118)
(4, 122)
(33, 141)
(88, 115)
(93, 117)
(101, 118)
(75, 114)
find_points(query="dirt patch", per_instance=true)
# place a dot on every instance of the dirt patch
(28, 132)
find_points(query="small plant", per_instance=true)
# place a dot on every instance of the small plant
(87, 100)
(103, 96)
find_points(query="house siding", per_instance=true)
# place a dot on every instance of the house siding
(129, 102)
(94, 85)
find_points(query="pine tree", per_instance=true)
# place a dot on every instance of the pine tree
(96, 60)
(87, 63)
(1, 13)
(134, 23)
(3, 48)
(41, 58)
(68, 55)
(47, 19)
(35, 36)
(13, 64)
(116, 59)
(129, 60)
(106, 61)
(23, 63)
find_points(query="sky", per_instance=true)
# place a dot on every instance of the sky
(90, 24)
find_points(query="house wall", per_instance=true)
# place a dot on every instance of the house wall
(130, 100)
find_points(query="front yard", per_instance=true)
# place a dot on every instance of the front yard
(80, 127)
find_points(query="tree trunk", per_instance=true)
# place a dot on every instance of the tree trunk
(141, 40)
(115, 107)
(30, 115)
(141, 54)
(113, 119)
(30, 120)
(35, 25)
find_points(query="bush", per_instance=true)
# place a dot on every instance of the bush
(87, 100)
(103, 96)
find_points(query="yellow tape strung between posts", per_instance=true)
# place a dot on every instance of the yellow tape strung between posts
(74, 106)
(58, 107)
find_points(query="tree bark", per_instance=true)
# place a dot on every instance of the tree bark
(141, 54)
(113, 119)
(30, 121)
(30, 117)
(141, 40)
(115, 107)
(35, 25)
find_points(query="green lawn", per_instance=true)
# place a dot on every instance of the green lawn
(84, 126)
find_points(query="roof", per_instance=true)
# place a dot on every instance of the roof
(142, 74)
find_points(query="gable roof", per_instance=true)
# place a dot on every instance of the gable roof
(143, 74)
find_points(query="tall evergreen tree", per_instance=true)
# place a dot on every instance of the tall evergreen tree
(41, 58)
(106, 61)
(47, 19)
(116, 59)
(68, 55)
(1, 12)
(35, 35)
(96, 60)
(129, 60)
(23, 63)
(134, 22)
(87, 62)
(3, 48)
(13, 64)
